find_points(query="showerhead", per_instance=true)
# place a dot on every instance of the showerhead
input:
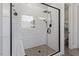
(15, 13)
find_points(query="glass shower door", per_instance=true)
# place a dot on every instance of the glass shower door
(53, 34)
(35, 30)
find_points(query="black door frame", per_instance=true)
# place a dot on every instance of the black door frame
(58, 25)
(11, 27)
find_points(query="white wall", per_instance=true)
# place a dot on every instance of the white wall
(73, 26)
(0, 29)
(74, 12)
(6, 29)
(76, 25)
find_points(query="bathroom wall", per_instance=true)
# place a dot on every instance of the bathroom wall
(6, 29)
(0, 29)
(75, 17)
(30, 37)
(72, 26)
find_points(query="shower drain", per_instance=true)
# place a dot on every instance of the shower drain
(39, 51)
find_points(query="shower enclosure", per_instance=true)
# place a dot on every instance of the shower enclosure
(34, 29)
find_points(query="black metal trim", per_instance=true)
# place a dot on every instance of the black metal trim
(58, 25)
(59, 31)
(54, 53)
(10, 29)
(50, 6)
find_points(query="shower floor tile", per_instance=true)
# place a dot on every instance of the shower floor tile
(42, 50)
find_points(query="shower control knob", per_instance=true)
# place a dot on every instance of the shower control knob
(49, 31)
(50, 25)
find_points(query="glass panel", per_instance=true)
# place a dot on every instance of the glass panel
(53, 37)
(34, 29)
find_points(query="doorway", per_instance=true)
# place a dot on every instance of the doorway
(66, 26)
(66, 29)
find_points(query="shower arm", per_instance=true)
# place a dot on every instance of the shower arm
(50, 24)
(50, 18)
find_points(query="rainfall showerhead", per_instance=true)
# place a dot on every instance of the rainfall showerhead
(45, 11)
(15, 13)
